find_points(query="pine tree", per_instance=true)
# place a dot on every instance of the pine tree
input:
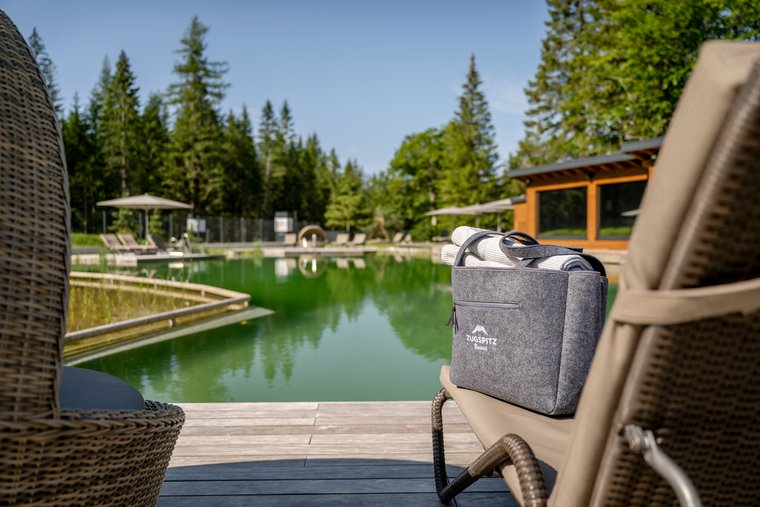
(470, 149)
(193, 170)
(84, 185)
(554, 129)
(285, 181)
(267, 134)
(286, 124)
(613, 71)
(316, 170)
(155, 141)
(121, 127)
(242, 174)
(48, 70)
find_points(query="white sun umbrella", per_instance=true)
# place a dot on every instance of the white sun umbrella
(498, 207)
(455, 211)
(145, 202)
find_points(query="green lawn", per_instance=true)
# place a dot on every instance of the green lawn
(82, 239)
(563, 233)
(623, 231)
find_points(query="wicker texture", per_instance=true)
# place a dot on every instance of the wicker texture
(50, 456)
(696, 385)
(33, 236)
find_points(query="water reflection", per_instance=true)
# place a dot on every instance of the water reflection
(344, 329)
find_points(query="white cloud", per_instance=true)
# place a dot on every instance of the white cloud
(506, 95)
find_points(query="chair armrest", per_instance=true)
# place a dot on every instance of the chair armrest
(643, 442)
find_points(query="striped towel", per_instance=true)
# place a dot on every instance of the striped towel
(487, 250)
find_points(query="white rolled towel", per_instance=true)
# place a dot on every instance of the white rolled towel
(449, 254)
(562, 263)
(488, 249)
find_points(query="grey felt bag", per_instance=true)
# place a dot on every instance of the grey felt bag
(526, 335)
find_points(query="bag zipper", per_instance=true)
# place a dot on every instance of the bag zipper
(488, 304)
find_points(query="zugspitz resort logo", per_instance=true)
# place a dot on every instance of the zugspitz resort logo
(480, 339)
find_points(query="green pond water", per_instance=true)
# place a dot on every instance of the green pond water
(360, 330)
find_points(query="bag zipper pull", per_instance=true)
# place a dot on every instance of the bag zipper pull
(453, 318)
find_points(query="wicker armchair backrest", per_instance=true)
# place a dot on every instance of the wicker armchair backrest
(34, 236)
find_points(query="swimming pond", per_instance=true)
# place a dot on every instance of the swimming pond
(365, 329)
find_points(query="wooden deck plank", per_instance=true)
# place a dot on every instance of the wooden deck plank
(326, 453)
(298, 486)
(262, 471)
(319, 429)
(251, 421)
(270, 460)
(281, 406)
(323, 450)
(389, 438)
(401, 500)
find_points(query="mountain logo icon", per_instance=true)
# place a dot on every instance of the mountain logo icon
(480, 329)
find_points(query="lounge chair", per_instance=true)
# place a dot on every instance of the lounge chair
(671, 408)
(114, 245)
(341, 239)
(158, 243)
(290, 239)
(129, 241)
(359, 239)
(51, 454)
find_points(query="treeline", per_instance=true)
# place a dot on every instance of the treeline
(180, 145)
(612, 71)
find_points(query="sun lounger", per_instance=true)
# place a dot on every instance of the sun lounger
(129, 241)
(158, 243)
(669, 412)
(359, 239)
(114, 245)
(341, 239)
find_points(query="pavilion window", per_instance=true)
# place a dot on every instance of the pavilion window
(614, 200)
(562, 213)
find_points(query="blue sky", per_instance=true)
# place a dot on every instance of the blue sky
(361, 74)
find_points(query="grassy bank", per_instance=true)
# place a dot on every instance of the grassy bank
(96, 306)
(82, 239)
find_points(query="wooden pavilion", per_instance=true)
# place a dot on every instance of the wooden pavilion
(587, 202)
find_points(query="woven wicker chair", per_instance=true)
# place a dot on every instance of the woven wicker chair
(50, 455)
(671, 407)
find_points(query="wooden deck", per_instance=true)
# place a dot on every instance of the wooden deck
(362, 453)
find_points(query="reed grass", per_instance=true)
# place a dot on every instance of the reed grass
(96, 306)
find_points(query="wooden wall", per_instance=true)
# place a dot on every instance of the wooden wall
(526, 214)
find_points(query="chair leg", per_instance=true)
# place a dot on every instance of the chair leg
(509, 448)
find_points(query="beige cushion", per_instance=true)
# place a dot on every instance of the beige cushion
(491, 419)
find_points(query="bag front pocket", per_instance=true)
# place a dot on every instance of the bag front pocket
(502, 350)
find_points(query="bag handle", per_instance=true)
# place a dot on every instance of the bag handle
(522, 237)
(472, 239)
(538, 250)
